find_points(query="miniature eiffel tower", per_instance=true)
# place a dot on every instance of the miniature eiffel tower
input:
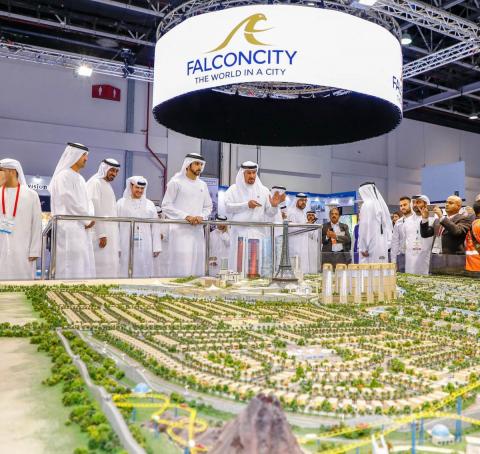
(285, 273)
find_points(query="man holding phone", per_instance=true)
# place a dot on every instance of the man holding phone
(449, 232)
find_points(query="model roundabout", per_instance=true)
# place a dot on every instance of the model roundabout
(173, 366)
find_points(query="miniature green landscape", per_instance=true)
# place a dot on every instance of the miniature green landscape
(332, 366)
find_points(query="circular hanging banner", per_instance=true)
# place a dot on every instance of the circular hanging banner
(278, 75)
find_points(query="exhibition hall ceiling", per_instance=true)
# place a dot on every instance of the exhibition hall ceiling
(125, 31)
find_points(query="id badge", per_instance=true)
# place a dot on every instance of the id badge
(136, 236)
(7, 225)
(437, 246)
(417, 247)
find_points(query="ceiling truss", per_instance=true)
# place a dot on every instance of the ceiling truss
(440, 67)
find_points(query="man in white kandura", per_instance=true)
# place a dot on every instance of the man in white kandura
(68, 190)
(296, 214)
(375, 231)
(219, 246)
(187, 198)
(160, 263)
(106, 243)
(248, 200)
(146, 236)
(20, 224)
(417, 249)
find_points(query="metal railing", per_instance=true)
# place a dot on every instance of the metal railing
(51, 230)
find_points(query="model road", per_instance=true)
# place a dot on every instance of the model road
(103, 398)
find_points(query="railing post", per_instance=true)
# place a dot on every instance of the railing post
(131, 249)
(43, 254)
(53, 250)
(207, 249)
(319, 246)
(272, 243)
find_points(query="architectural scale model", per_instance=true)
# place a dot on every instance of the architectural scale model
(371, 345)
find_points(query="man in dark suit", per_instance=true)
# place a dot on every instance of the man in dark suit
(336, 240)
(450, 230)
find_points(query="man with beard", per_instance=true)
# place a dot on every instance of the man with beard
(248, 200)
(397, 251)
(106, 243)
(336, 240)
(448, 233)
(416, 249)
(187, 198)
(68, 190)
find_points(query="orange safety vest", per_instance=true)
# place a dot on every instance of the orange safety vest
(472, 247)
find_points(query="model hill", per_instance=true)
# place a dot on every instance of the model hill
(261, 428)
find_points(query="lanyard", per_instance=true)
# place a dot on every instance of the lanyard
(16, 201)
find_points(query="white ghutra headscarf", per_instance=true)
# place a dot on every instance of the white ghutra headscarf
(72, 153)
(248, 191)
(104, 167)
(370, 194)
(13, 164)
(137, 181)
(190, 158)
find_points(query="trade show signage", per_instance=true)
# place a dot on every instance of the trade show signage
(278, 43)
(38, 183)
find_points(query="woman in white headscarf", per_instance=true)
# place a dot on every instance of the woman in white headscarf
(74, 253)
(146, 238)
(375, 231)
(20, 224)
(187, 198)
(106, 245)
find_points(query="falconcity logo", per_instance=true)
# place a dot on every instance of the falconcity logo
(245, 61)
(249, 32)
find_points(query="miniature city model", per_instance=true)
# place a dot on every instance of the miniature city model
(330, 356)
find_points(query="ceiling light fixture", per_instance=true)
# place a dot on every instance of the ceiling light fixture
(406, 39)
(367, 2)
(84, 70)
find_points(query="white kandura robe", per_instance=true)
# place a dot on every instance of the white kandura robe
(160, 263)
(107, 261)
(146, 236)
(374, 234)
(298, 244)
(75, 259)
(26, 239)
(236, 207)
(185, 197)
(219, 250)
(417, 249)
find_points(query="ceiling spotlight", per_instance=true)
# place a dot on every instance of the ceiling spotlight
(84, 70)
(367, 2)
(406, 39)
(473, 116)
